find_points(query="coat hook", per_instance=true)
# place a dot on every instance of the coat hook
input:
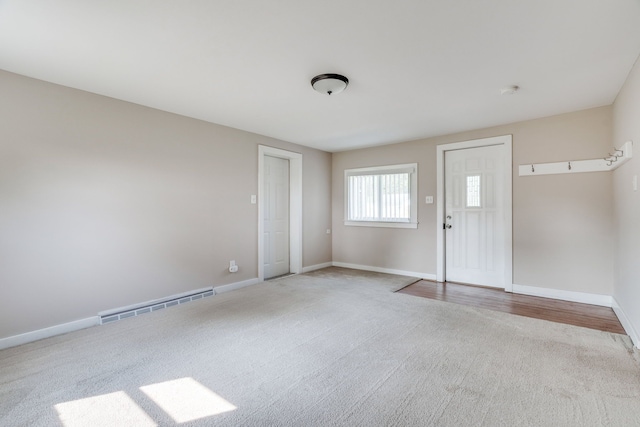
(619, 151)
(532, 169)
(569, 165)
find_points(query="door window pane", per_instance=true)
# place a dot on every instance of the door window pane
(473, 191)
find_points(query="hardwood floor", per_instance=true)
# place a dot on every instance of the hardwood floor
(572, 313)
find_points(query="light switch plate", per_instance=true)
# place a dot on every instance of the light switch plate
(253, 199)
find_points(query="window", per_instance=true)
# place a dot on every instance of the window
(383, 196)
(473, 191)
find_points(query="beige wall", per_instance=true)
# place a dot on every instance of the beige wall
(626, 126)
(316, 206)
(562, 224)
(104, 203)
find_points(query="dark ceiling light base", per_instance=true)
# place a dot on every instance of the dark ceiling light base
(329, 83)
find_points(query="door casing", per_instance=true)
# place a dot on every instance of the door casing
(506, 141)
(295, 207)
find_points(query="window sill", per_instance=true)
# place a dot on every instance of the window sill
(381, 224)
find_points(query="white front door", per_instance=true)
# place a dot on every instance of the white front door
(474, 216)
(276, 217)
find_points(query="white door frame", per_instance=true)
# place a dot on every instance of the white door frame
(295, 207)
(506, 141)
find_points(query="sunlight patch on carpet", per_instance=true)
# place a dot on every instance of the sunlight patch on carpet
(186, 399)
(104, 410)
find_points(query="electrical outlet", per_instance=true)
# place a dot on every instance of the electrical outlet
(233, 268)
(428, 200)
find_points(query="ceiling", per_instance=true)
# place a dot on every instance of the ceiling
(417, 68)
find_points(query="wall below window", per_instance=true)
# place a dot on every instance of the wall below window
(562, 224)
(104, 204)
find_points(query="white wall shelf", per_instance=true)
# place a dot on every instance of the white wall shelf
(614, 160)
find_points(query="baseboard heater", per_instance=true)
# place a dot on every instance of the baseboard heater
(155, 306)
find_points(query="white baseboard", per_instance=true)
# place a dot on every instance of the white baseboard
(233, 286)
(426, 276)
(316, 267)
(51, 331)
(626, 323)
(583, 297)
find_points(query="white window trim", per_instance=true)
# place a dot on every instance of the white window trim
(412, 168)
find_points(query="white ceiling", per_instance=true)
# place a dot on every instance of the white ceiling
(417, 68)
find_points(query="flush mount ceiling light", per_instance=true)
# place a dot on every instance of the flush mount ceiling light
(329, 83)
(509, 90)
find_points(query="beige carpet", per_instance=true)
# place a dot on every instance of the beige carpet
(330, 348)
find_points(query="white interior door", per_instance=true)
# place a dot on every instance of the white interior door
(276, 217)
(474, 216)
